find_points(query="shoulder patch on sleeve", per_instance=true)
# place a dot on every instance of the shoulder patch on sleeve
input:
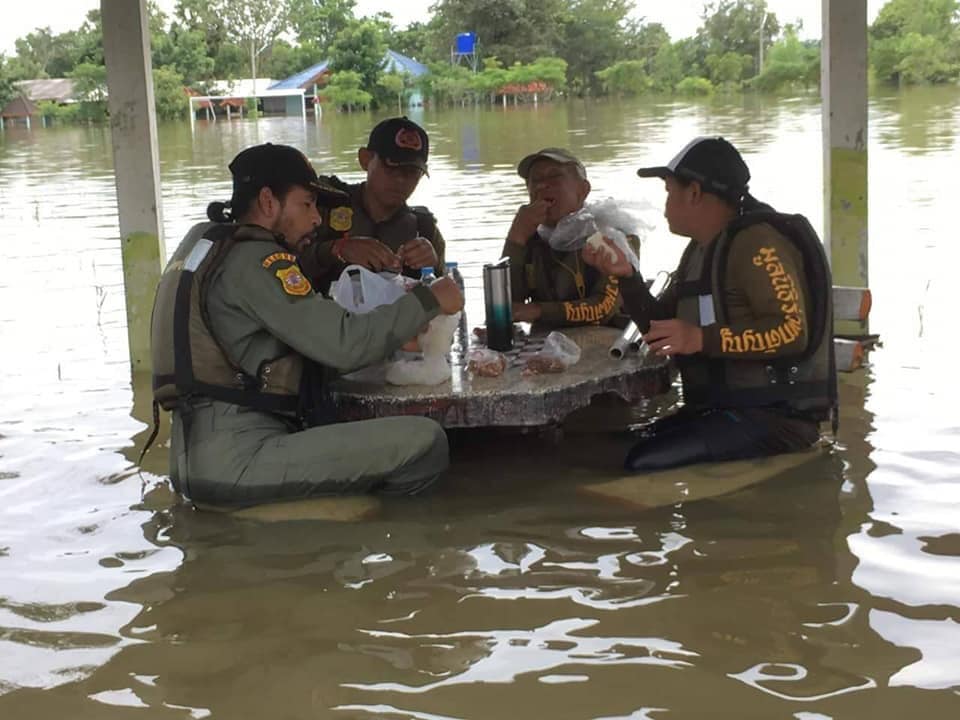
(276, 257)
(293, 281)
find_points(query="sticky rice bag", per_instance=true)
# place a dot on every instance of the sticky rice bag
(486, 362)
(433, 368)
(558, 353)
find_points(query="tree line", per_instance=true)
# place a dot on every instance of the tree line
(527, 48)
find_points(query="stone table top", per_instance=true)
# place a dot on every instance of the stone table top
(515, 398)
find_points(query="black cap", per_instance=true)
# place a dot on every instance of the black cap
(400, 141)
(711, 161)
(564, 157)
(270, 165)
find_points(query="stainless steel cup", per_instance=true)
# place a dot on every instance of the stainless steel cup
(497, 298)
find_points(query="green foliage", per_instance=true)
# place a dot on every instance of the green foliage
(396, 85)
(169, 97)
(359, 48)
(727, 70)
(418, 40)
(7, 90)
(285, 59)
(513, 30)
(733, 26)
(185, 53)
(627, 77)
(596, 33)
(916, 41)
(344, 90)
(317, 22)
(666, 69)
(791, 65)
(90, 86)
(254, 24)
(694, 86)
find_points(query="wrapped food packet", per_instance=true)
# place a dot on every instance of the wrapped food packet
(558, 353)
(486, 362)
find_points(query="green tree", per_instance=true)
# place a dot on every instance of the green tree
(90, 86)
(318, 21)
(7, 89)
(169, 97)
(667, 68)
(790, 65)
(185, 52)
(344, 90)
(735, 26)
(396, 84)
(254, 25)
(284, 59)
(491, 79)
(627, 77)
(418, 40)
(360, 48)
(915, 41)
(35, 51)
(512, 30)
(648, 40)
(727, 70)
(596, 33)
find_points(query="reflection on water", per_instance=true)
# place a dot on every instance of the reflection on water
(830, 591)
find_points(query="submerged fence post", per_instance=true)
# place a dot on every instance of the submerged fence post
(844, 88)
(133, 129)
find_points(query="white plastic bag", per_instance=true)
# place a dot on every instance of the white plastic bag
(360, 290)
(433, 368)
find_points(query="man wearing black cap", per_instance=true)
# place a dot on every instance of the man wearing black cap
(376, 228)
(550, 286)
(241, 348)
(747, 318)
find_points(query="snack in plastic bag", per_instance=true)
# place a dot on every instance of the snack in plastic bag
(433, 368)
(360, 290)
(486, 362)
(607, 217)
(558, 353)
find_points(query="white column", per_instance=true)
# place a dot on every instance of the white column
(844, 88)
(133, 129)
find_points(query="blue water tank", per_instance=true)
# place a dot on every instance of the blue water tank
(466, 42)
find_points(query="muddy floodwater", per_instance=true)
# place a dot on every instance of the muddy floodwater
(515, 590)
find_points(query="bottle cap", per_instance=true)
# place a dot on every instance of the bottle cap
(426, 271)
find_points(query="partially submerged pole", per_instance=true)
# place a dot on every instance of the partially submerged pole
(133, 129)
(844, 88)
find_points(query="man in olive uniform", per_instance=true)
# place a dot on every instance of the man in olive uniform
(375, 227)
(241, 346)
(554, 287)
(747, 318)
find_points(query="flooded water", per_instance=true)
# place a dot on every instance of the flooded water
(831, 591)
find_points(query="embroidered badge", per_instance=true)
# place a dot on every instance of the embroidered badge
(293, 281)
(408, 138)
(271, 259)
(341, 218)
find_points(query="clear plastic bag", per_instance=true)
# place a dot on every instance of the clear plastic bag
(486, 362)
(360, 290)
(606, 218)
(559, 352)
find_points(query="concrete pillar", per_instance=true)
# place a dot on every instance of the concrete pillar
(133, 129)
(844, 87)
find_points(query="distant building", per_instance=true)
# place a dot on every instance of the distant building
(58, 90)
(315, 76)
(20, 108)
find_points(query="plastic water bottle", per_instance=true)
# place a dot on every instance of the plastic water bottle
(454, 272)
(427, 275)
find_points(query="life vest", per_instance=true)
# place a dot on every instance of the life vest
(805, 382)
(188, 360)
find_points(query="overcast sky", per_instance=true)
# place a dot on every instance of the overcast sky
(680, 17)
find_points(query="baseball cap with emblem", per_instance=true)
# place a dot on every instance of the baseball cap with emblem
(713, 162)
(564, 157)
(270, 165)
(400, 141)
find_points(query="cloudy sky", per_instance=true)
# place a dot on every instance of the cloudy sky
(680, 17)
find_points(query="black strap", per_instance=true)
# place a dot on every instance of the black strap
(153, 433)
